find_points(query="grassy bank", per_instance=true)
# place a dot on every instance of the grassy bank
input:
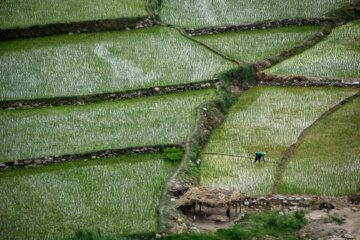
(337, 55)
(81, 64)
(22, 13)
(252, 46)
(332, 150)
(108, 196)
(75, 129)
(203, 13)
(267, 119)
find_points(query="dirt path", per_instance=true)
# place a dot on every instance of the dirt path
(291, 149)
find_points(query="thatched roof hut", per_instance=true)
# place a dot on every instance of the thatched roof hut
(208, 197)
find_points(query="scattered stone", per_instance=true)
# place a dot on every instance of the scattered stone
(158, 235)
(293, 208)
(348, 236)
(195, 230)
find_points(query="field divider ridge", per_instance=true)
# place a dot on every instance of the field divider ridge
(104, 97)
(257, 26)
(89, 26)
(42, 161)
(291, 150)
(210, 115)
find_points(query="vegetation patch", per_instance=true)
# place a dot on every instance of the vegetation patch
(22, 13)
(266, 119)
(337, 55)
(203, 13)
(82, 64)
(252, 46)
(88, 128)
(173, 154)
(112, 196)
(332, 150)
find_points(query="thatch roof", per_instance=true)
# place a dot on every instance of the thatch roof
(209, 197)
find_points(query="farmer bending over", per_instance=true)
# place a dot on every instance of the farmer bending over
(259, 155)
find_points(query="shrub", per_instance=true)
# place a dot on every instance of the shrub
(173, 154)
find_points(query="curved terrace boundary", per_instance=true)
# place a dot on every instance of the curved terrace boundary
(291, 149)
(104, 97)
(76, 27)
(42, 161)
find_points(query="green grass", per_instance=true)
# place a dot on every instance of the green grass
(21, 13)
(267, 119)
(81, 64)
(252, 46)
(204, 13)
(332, 150)
(113, 196)
(145, 121)
(337, 55)
(268, 225)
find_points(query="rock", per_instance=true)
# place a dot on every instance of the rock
(2, 165)
(348, 236)
(112, 95)
(316, 215)
(139, 25)
(11, 108)
(184, 225)
(158, 235)
(355, 209)
(127, 29)
(281, 213)
(293, 208)
(156, 89)
(195, 230)
(16, 163)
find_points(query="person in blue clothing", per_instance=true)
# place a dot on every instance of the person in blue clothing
(259, 155)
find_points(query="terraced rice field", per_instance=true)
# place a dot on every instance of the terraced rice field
(252, 46)
(62, 130)
(204, 13)
(332, 150)
(337, 55)
(110, 196)
(84, 64)
(267, 119)
(21, 13)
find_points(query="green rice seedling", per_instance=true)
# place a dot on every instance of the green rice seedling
(252, 46)
(111, 196)
(204, 13)
(61, 130)
(267, 119)
(83, 64)
(336, 56)
(22, 13)
(327, 161)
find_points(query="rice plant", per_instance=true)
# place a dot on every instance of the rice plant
(267, 119)
(146, 121)
(204, 13)
(252, 46)
(114, 196)
(21, 13)
(83, 64)
(337, 55)
(327, 161)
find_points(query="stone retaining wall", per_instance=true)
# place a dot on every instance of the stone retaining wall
(80, 100)
(76, 27)
(42, 161)
(296, 83)
(260, 25)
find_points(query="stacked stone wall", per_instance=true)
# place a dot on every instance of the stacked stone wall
(259, 25)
